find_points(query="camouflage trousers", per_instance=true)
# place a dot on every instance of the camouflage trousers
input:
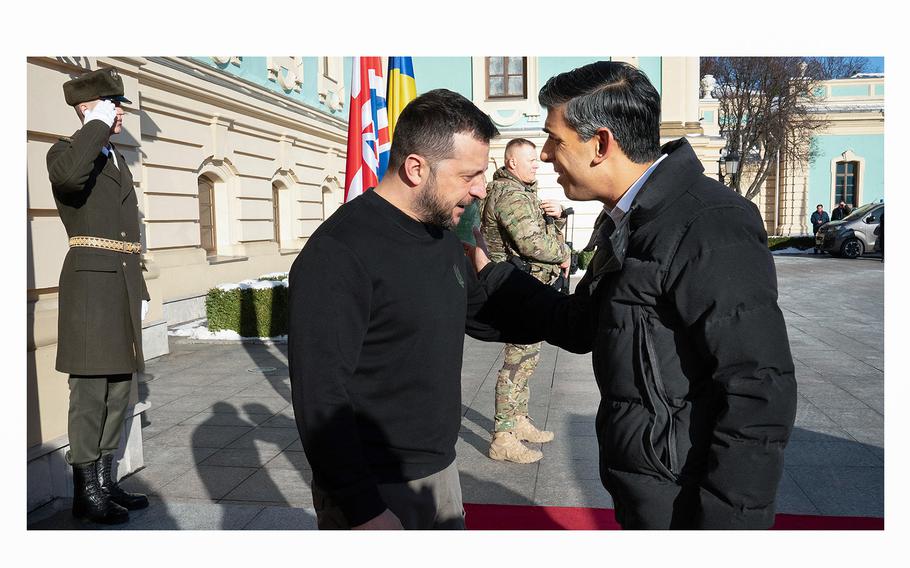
(512, 391)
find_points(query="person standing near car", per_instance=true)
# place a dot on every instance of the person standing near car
(839, 212)
(819, 218)
(103, 297)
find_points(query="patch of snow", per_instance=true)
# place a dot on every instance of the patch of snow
(199, 331)
(791, 250)
(253, 285)
(263, 284)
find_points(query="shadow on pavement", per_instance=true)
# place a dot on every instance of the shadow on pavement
(478, 442)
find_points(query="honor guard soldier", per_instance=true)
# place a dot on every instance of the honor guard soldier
(103, 297)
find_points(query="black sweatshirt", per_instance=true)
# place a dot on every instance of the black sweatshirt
(378, 308)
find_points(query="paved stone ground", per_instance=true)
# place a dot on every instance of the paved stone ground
(222, 450)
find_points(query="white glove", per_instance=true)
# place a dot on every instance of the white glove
(105, 111)
(145, 309)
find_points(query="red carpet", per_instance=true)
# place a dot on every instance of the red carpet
(526, 517)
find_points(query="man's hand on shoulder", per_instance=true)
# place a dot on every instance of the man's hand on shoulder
(385, 521)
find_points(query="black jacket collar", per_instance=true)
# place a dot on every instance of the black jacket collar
(670, 180)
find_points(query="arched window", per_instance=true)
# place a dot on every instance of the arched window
(207, 238)
(276, 214)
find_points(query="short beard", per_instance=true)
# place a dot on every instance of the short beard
(429, 208)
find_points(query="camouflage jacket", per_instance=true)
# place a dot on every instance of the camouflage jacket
(513, 225)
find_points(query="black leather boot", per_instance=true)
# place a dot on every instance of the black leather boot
(131, 501)
(89, 501)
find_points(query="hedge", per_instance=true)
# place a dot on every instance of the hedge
(249, 308)
(801, 242)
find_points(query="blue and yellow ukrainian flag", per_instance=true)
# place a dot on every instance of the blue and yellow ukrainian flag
(402, 88)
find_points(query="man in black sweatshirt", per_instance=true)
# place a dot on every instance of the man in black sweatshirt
(380, 299)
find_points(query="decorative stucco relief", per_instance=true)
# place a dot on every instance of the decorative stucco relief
(330, 82)
(227, 59)
(287, 72)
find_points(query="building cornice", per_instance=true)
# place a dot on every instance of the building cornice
(294, 115)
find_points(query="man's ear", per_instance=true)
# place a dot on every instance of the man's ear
(416, 169)
(605, 144)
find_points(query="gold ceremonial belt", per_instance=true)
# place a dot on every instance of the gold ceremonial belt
(108, 244)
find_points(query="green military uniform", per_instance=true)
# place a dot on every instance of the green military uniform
(101, 286)
(513, 225)
(101, 289)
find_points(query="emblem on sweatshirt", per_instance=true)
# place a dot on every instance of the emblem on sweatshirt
(458, 275)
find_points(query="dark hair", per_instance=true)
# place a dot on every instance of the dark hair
(614, 95)
(516, 142)
(428, 124)
(819, 205)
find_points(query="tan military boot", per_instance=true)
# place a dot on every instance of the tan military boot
(526, 431)
(507, 447)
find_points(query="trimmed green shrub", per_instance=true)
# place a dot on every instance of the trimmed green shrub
(250, 312)
(801, 242)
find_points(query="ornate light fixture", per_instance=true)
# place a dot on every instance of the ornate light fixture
(727, 164)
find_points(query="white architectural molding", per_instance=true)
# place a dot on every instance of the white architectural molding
(285, 147)
(330, 82)
(226, 189)
(287, 72)
(220, 127)
(506, 112)
(289, 193)
(225, 60)
(286, 221)
(847, 156)
(235, 97)
(332, 195)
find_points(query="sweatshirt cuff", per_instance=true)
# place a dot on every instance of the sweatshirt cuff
(494, 274)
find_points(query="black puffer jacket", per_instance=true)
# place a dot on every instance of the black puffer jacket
(690, 352)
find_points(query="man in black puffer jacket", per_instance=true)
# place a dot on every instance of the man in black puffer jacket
(679, 308)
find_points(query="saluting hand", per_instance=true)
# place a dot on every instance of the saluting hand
(104, 110)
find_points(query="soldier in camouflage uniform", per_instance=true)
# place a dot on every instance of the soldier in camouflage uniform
(514, 227)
